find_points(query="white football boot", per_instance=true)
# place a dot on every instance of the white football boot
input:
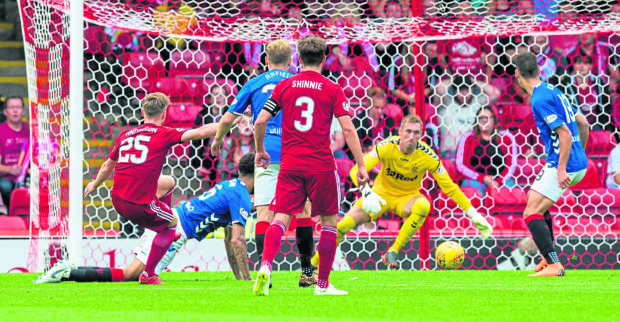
(56, 273)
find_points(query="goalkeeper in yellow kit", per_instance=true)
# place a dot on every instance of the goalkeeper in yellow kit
(404, 162)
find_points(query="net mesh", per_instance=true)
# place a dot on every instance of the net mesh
(440, 59)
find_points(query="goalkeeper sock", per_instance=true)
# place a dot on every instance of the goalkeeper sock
(549, 221)
(542, 237)
(305, 243)
(167, 198)
(273, 239)
(95, 274)
(327, 248)
(420, 209)
(259, 235)
(160, 245)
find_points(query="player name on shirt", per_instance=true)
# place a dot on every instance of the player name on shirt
(279, 73)
(307, 84)
(143, 129)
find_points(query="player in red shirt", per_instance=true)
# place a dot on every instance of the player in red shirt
(308, 102)
(140, 193)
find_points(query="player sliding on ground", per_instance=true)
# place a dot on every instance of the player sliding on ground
(565, 133)
(404, 162)
(255, 93)
(308, 103)
(225, 205)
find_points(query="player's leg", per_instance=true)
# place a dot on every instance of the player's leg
(161, 243)
(165, 188)
(415, 211)
(304, 237)
(273, 240)
(353, 218)
(266, 179)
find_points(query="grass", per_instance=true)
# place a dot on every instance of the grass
(373, 295)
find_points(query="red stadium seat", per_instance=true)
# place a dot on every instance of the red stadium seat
(506, 200)
(141, 68)
(601, 168)
(600, 201)
(95, 40)
(431, 114)
(590, 180)
(190, 63)
(20, 202)
(176, 88)
(517, 116)
(394, 111)
(527, 170)
(600, 143)
(12, 223)
(567, 204)
(182, 114)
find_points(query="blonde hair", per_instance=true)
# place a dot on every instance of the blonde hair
(279, 52)
(155, 104)
(411, 118)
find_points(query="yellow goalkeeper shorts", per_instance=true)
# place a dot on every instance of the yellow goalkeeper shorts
(393, 203)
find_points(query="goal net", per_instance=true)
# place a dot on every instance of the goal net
(443, 60)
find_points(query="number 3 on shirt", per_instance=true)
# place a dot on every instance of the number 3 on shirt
(135, 143)
(306, 113)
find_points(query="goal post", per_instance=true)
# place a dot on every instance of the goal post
(90, 62)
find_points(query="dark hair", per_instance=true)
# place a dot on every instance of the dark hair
(246, 165)
(527, 65)
(580, 60)
(14, 97)
(498, 127)
(461, 82)
(312, 50)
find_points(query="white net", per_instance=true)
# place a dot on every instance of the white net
(443, 60)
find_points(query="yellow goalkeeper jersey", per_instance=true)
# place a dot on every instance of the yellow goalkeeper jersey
(401, 174)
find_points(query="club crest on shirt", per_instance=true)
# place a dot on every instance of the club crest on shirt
(345, 106)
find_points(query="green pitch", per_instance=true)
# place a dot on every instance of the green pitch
(382, 295)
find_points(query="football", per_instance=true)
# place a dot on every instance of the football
(449, 255)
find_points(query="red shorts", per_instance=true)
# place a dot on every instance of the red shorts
(155, 216)
(295, 186)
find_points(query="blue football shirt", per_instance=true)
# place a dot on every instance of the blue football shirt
(226, 203)
(551, 109)
(255, 93)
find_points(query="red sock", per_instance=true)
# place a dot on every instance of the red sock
(167, 198)
(161, 243)
(273, 239)
(327, 249)
(261, 227)
(117, 275)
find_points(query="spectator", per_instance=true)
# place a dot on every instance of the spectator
(613, 168)
(457, 111)
(584, 90)
(487, 154)
(216, 104)
(373, 124)
(552, 67)
(13, 134)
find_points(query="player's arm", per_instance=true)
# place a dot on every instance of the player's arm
(583, 128)
(371, 159)
(353, 141)
(270, 109)
(230, 254)
(104, 173)
(240, 251)
(223, 127)
(454, 192)
(201, 133)
(565, 138)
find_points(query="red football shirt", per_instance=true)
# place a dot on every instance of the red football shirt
(309, 102)
(141, 153)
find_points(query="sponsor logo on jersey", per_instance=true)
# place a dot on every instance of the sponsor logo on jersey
(551, 118)
(441, 170)
(243, 213)
(345, 106)
(234, 102)
(398, 176)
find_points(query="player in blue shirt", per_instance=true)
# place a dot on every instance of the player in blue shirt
(565, 133)
(255, 93)
(226, 205)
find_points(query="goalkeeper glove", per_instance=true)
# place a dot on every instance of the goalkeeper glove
(483, 225)
(371, 202)
(170, 254)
